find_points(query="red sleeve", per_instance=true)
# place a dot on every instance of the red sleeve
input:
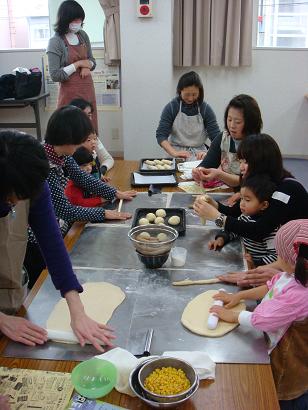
(75, 196)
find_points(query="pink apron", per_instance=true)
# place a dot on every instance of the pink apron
(75, 86)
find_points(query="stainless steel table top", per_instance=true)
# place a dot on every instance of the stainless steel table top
(104, 253)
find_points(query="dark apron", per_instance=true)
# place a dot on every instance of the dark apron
(289, 361)
(13, 243)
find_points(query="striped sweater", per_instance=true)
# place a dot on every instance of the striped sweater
(262, 251)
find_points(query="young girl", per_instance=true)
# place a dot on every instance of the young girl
(188, 120)
(282, 314)
(76, 194)
(256, 192)
(102, 161)
(242, 118)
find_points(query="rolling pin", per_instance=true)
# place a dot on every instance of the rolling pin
(212, 320)
(196, 282)
(61, 336)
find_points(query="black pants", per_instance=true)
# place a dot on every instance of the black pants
(301, 403)
(34, 263)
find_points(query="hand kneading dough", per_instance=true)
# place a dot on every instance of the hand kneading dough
(100, 300)
(196, 313)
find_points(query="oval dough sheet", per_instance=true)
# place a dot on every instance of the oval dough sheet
(196, 313)
(100, 300)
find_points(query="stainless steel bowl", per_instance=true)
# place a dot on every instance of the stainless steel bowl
(136, 388)
(160, 362)
(153, 248)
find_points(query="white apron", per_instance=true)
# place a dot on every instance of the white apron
(229, 161)
(188, 132)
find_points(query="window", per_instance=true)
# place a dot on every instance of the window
(283, 23)
(28, 23)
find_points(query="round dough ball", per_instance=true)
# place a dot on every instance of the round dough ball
(174, 220)
(152, 167)
(149, 162)
(167, 166)
(162, 237)
(159, 220)
(160, 166)
(160, 212)
(157, 161)
(143, 221)
(150, 217)
(144, 235)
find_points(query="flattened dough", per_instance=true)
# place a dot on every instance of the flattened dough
(100, 300)
(196, 313)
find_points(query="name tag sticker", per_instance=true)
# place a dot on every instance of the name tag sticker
(280, 196)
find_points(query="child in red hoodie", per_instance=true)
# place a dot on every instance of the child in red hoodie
(74, 193)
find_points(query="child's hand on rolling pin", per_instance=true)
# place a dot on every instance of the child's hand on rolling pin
(229, 299)
(225, 314)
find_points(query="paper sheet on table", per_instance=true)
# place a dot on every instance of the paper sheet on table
(192, 187)
(36, 389)
(153, 179)
(188, 165)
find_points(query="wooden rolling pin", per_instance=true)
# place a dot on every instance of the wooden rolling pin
(196, 282)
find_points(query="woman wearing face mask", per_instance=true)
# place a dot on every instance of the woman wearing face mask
(242, 118)
(70, 58)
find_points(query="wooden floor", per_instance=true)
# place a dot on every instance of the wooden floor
(236, 387)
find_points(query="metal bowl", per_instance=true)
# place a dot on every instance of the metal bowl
(160, 362)
(153, 248)
(136, 388)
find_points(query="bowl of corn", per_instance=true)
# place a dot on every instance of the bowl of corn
(167, 380)
(140, 393)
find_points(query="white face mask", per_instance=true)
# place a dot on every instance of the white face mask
(74, 27)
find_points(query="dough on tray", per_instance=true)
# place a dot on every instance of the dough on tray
(174, 220)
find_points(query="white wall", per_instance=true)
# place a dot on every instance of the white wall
(277, 79)
(110, 122)
(146, 68)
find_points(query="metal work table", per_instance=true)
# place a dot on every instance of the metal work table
(32, 102)
(104, 253)
(236, 386)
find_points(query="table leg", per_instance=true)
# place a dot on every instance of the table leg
(36, 108)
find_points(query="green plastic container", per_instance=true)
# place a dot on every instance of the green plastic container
(94, 378)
